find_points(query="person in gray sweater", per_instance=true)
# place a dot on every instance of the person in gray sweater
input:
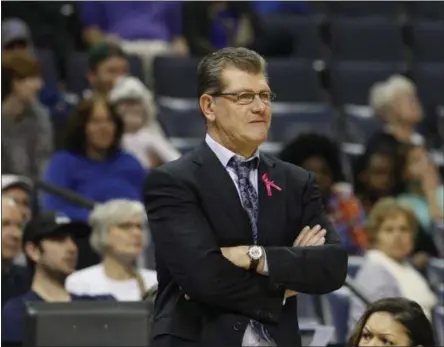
(27, 135)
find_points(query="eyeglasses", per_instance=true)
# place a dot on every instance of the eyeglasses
(245, 98)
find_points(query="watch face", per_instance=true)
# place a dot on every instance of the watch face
(255, 252)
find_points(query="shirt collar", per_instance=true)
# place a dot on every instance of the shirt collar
(224, 154)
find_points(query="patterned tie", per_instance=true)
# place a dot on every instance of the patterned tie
(250, 202)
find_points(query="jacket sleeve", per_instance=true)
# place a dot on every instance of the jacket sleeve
(311, 270)
(186, 245)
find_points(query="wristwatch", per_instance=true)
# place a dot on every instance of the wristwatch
(255, 253)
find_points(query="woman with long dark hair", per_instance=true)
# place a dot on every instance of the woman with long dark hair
(393, 322)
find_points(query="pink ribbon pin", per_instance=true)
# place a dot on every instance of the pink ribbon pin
(269, 184)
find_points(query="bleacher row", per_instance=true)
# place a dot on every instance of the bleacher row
(334, 307)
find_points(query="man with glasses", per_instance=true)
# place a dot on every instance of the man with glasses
(237, 232)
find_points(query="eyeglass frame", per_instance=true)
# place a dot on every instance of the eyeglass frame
(237, 95)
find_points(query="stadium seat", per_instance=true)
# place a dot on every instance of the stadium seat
(429, 78)
(438, 320)
(286, 125)
(369, 39)
(435, 271)
(427, 9)
(335, 307)
(307, 40)
(354, 264)
(77, 67)
(360, 123)
(428, 36)
(294, 80)
(365, 8)
(48, 65)
(186, 123)
(351, 81)
(175, 77)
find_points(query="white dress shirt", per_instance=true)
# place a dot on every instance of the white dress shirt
(251, 338)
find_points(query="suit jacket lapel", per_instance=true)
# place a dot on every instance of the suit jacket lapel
(272, 203)
(219, 189)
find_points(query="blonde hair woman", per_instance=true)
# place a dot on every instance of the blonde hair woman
(386, 271)
(119, 235)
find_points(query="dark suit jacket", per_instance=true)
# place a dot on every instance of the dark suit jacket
(194, 209)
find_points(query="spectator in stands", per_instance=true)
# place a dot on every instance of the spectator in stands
(145, 28)
(143, 135)
(396, 104)
(318, 154)
(27, 135)
(16, 37)
(386, 271)
(377, 175)
(92, 163)
(18, 188)
(393, 322)
(423, 190)
(106, 64)
(120, 236)
(211, 25)
(52, 253)
(15, 278)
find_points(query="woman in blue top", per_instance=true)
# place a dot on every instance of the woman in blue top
(92, 163)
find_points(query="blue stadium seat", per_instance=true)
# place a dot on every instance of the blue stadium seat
(307, 40)
(48, 66)
(360, 123)
(294, 80)
(296, 119)
(429, 78)
(77, 66)
(365, 8)
(438, 320)
(427, 9)
(367, 38)
(351, 81)
(435, 271)
(187, 123)
(428, 38)
(354, 264)
(335, 307)
(175, 77)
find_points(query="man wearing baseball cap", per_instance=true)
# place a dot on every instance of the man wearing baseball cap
(49, 245)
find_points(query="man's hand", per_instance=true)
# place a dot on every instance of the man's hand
(238, 255)
(308, 237)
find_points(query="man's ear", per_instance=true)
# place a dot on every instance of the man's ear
(32, 251)
(206, 103)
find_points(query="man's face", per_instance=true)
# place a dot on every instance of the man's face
(107, 73)
(242, 123)
(21, 198)
(12, 229)
(57, 255)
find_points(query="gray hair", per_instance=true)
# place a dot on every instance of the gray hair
(210, 68)
(110, 214)
(382, 94)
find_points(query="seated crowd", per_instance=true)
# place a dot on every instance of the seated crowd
(386, 205)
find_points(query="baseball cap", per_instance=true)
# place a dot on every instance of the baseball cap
(15, 29)
(102, 51)
(52, 223)
(9, 181)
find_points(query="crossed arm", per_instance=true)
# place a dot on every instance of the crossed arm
(185, 244)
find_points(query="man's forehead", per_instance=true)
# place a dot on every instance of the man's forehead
(239, 79)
